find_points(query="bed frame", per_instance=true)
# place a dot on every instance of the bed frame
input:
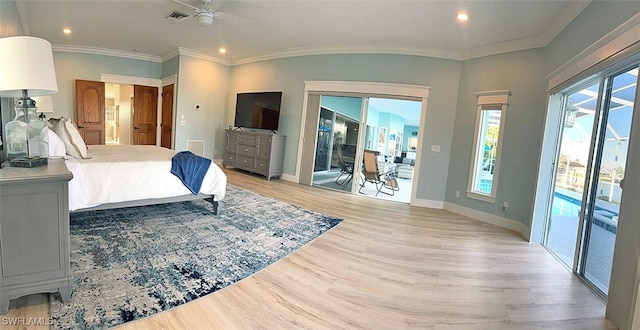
(152, 201)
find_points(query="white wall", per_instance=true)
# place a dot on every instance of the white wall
(205, 84)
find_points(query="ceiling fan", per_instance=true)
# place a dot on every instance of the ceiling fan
(205, 14)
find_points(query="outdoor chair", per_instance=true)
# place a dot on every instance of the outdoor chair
(385, 183)
(346, 170)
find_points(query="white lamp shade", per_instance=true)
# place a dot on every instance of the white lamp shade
(26, 63)
(44, 103)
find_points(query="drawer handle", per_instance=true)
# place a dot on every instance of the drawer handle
(245, 161)
(246, 150)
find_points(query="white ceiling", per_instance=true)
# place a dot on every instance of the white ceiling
(277, 28)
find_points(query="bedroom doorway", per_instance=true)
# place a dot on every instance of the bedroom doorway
(114, 113)
(118, 107)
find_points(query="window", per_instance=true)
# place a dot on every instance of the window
(483, 175)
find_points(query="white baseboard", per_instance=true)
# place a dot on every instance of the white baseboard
(490, 218)
(289, 177)
(428, 203)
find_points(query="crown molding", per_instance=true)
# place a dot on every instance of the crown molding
(23, 17)
(105, 52)
(571, 12)
(503, 48)
(170, 55)
(341, 50)
(193, 53)
(623, 36)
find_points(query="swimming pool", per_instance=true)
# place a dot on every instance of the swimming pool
(564, 205)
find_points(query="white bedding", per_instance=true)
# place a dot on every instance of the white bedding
(120, 173)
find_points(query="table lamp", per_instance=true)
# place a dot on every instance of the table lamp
(44, 105)
(27, 70)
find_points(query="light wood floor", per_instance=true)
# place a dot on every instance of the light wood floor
(387, 266)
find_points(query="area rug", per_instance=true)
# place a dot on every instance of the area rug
(134, 262)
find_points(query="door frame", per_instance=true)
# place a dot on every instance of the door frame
(152, 82)
(360, 89)
(166, 81)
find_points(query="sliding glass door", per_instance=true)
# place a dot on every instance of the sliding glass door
(337, 142)
(605, 194)
(348, 125)
(590, 163)
(572, 162)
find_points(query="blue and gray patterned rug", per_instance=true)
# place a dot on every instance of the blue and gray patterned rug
(134, 262)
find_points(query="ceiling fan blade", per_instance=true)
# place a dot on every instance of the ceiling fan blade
(230, 17)
(187, 5)
(215, 5)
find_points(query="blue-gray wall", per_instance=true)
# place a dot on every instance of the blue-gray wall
(348, 106)
(171, 66)
(288, 75)
(522, 133)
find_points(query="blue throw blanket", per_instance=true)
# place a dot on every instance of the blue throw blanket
(190, 169)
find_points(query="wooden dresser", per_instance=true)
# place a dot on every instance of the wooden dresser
(261, 153)
(34, 231)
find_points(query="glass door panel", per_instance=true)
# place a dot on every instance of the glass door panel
(324, 142)
(602, 222)
(337, 142)
(570, 173)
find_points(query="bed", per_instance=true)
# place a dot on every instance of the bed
(114, 176)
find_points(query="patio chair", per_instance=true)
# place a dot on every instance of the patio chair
(346, 170)
(385, 183)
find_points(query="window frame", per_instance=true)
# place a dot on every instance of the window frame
(487, 101)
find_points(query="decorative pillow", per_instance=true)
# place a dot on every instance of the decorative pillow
(56, 146)
(68, 132)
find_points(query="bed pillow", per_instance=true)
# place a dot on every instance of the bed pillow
(56, 146)
(68, 132)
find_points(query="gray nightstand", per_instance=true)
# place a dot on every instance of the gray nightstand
(34, 232)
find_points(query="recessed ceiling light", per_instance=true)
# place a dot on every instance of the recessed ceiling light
(66, 31)
(222, 50)
(462, 17)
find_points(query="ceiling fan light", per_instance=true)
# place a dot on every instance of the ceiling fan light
(205, 19)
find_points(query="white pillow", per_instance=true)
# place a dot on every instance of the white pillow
(70, 136)
(56, 146)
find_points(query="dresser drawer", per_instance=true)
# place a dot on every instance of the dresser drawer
(247, 139)
(262, 165)
(230, 159)
(247, 162)
(264, 147)
(247, 151)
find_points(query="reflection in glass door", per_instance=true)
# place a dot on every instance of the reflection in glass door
(609, 168)
(592, 151)
(571, 168)
(337, 142)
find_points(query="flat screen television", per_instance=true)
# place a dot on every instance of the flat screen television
(259, 110)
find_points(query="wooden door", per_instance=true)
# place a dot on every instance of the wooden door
(145, 115)
(166, 126)
(90, 111)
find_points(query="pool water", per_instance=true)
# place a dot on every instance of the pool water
(566, 206)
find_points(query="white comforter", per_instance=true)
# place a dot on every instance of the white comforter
(119, 173)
